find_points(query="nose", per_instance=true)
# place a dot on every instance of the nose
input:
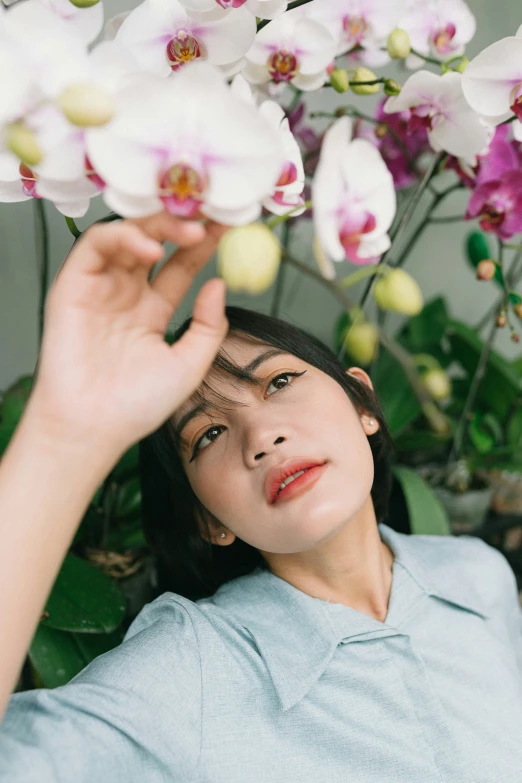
(279, 439)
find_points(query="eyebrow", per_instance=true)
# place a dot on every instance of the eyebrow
(249, 368)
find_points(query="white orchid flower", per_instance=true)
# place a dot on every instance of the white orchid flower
(364, 23)
(164, 37)
(291, 48)
(18, 182)
(289, 187)
(186, 144)
(87, 22)
(437, 103)
(492, 82)
(438, 28)
(263, 9)
(353, 199)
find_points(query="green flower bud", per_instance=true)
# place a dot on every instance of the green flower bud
(437, 383)
(398, 44)
(391, 87)
(398, 291)
(364, 75)
(23, 142)
(339, 80)
(518, 310)
(248, 258)
(86, 105)
(84, 3)
(461, 67)
(362, 341)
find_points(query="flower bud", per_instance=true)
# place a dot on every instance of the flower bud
(86, 105)
(398, 44)
(361, 342)
(398, 291)
(248, 258)
(486, 269)
(339, 80)
(391, 87)
(515, 337)
(84, 3)
(364, 75)
(461, 67)
(518, 309)
(23, 142)
(501, 320)
(437, 383)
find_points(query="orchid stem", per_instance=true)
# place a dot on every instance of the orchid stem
(275, 221)
(42, 239)
(73, 228)
(427, 59)
(285, 241)
(295, 4)
(361, 274)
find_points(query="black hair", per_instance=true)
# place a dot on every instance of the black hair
(187, 563)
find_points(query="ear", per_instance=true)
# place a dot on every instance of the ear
(216, 529)
(369, 423)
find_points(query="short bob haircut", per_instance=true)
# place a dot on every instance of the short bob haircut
(187, 564)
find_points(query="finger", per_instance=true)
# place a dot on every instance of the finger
(199, 345)
(168, 228)
(177, 274)
(121, 242)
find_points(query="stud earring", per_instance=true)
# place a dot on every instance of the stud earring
(222, 535)
(371, 422)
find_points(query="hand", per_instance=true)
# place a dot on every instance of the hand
(106, 374)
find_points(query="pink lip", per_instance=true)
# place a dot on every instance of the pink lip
(301, 484)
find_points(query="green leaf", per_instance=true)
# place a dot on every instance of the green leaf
(58, 656)
(517, 367)
(55, 656)
(127, 465)
(477, 248)
(500, 387)
(514, 428)
(128, 499)
(515, 298)
(420, 440)
(84, 599)
(484, 431)
(427, 515)
(421, 332)
(399, 403)
(15, 399)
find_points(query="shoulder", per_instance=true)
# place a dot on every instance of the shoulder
(470, 561)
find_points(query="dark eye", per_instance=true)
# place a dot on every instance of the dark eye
(208, 432)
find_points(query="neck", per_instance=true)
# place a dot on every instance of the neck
(354, 567)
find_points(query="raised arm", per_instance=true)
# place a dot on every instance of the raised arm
(106, 378)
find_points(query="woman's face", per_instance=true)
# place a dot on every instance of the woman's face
(309, 416)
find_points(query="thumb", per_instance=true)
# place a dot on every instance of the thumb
(195, 351)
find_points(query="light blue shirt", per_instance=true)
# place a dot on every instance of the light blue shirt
(264, 683)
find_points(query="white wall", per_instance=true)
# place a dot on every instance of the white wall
(438, 263)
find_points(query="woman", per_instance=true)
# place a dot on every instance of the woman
(305, 639)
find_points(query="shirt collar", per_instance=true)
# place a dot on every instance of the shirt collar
(297, 634)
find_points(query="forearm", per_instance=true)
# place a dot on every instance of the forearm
(46, 483)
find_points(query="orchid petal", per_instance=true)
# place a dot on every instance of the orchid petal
(131, 206)
(73, 209)
(229, 38)
(12, 192)
(232, 217)
(489, 79)
(266, 9)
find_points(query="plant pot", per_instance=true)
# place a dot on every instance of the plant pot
(466, 510)
(507, 491)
